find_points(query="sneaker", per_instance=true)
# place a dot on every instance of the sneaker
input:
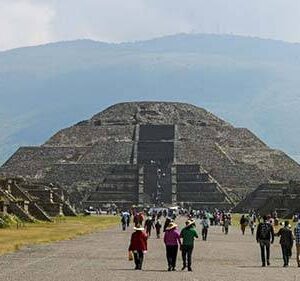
(183, 268)
(268, 263)
(190, 269)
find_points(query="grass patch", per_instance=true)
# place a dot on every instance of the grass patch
(12, 239)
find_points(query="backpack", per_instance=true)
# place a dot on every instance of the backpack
(265, 231)
(205, 224)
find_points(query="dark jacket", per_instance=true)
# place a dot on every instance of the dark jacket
(286, 237)
(265, 231)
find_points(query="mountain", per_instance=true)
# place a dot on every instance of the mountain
(250, 82)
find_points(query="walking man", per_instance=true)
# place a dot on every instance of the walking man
(243, 223)
(188, 234)
(226, 224)
(172, 240)
(149, 225)
(205, 226)
(286, 242)
(297, 240)
(124, 219)
(158, 227)
(265, 237)
(138, 245)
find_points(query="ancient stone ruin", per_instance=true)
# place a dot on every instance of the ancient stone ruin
(144, 153)
(33, 200)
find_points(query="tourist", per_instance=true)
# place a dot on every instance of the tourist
(138, 245)
(252, 226)
(188, 234)
(297, 240)
(128, 218)
(167, 221)
(286, 242)
(243, 223)
(149, 225)
(205, 226)
(226, 224)
(124, 221)
(265, 237)
(172, 240)
(158, 226)
(141, 218)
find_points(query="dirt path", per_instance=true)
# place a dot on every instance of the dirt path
(103, 256)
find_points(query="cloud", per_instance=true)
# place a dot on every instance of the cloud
(27, 22)
(123, 20)
(24, 23)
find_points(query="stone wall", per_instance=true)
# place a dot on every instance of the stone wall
(88, 135)
(34, 161)
(120, 152)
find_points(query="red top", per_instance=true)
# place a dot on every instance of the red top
(138, 241)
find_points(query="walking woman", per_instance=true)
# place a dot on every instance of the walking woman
(138, 245)
(172, 241)
(188, 235)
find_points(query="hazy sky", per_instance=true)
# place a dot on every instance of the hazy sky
(31, 22)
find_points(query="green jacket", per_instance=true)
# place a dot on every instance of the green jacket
(188, 235)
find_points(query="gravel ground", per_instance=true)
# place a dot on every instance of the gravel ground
(103, 256)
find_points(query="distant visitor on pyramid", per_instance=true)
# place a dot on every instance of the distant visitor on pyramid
(162, 154)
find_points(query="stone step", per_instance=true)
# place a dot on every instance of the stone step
(189, 177)
(111, 196)
(187, 169)
(197, 187)
(52, 209)
(208, 205)
(203, 196)
(121, 178)
(119, 187)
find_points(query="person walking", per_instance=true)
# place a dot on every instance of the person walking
(252, 226)
(205, 226)
(297, 240)
(226, 225)
(265, 237)
(149, 225)
(172, 240)
(158, 227)
(124, 221)
(243, 223)
(138, 245)
(286, 242)
(188, 234)
(167, 222)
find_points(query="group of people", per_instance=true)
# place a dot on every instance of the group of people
(174, 240)
(265, 237)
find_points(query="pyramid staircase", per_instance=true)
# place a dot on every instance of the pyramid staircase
(197, 189)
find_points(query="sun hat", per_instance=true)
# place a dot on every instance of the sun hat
(138, 228)
(189, 222)
(171, 226)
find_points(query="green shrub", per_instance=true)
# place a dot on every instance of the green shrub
(9, 220)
